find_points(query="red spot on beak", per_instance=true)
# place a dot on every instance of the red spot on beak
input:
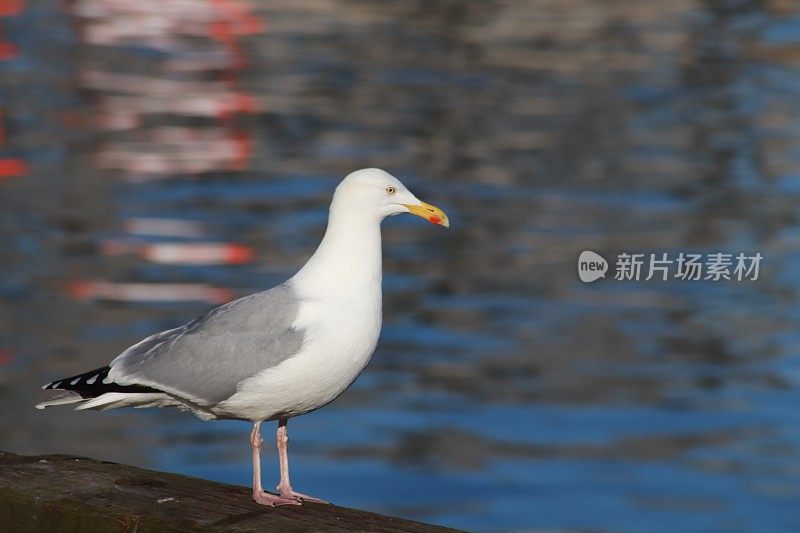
(435, 219)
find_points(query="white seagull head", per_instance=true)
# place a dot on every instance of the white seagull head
(377, 195)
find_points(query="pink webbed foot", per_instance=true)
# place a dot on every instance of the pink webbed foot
(287, 492)
(265, 498)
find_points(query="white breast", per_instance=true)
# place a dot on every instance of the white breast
(341, 336)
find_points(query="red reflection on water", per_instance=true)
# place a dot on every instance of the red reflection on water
(198, 78)
(212, 253)
(9, 8)
(8, 51)
(13, 168)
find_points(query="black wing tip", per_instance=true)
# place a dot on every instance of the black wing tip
(94, 383)
(81, 381)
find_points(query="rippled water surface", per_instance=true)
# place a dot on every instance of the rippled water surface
(159, 158)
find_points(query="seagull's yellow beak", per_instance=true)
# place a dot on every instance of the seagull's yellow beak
(429, 212)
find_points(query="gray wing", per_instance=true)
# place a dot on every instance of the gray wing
(207, 358)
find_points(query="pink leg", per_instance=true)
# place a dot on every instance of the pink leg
(264, 498)
(285, 488)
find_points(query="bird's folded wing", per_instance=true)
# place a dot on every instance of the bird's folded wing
(205, 360)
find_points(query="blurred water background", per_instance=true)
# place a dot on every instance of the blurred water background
(158, 158)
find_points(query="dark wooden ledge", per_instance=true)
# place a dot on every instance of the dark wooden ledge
(65, 494)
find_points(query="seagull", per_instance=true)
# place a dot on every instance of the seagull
(276, 354)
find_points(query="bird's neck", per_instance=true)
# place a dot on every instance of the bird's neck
(349, 256)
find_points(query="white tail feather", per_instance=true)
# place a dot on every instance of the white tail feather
(61, 399)
(115, 400)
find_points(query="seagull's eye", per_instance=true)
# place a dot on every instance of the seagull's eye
(390, 190)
